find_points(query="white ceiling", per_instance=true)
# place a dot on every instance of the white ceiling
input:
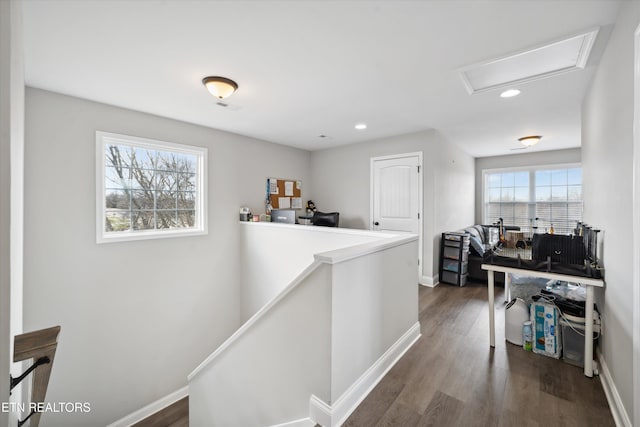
(306, 68)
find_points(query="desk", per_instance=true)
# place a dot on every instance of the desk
(589, 282)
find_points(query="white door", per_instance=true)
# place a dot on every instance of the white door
(396, 196)
(395, 193)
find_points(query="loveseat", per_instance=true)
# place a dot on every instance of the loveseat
(482, 240)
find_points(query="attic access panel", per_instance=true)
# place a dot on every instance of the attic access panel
(540, 62)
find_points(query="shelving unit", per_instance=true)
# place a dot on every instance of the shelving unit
(454, 255)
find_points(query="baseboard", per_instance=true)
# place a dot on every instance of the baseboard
(620, 415)
(151, 408)
(431, 282)
(320, 412)
(302, 422)
(337, 413)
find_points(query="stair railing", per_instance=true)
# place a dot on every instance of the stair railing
(41, 347)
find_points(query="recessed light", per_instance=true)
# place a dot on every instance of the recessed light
(361, 126)
(510, 93)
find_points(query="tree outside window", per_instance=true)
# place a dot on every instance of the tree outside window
(148, 187)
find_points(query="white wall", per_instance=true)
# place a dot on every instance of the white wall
(607, 154)
(541, 158)
(268, 373)
(374, 303)
(5, 201)
(453, 193)
(340, 179)
(275, 254)
(11, 193)
(17, 188)
(331, 333)
(136, 317)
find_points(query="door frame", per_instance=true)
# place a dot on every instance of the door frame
(417, 154)
(636, 227)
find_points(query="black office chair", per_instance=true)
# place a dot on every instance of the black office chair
(326, 219)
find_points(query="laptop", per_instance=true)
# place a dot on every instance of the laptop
(286, 216)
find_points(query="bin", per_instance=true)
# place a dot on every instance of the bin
(573, 342)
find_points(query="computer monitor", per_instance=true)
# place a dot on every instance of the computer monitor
(287, 216)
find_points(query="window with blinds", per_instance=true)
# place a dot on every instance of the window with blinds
(541, 197)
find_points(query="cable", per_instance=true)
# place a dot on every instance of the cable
(550, 299)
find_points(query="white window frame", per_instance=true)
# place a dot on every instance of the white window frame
(200, 227)
(532, 184)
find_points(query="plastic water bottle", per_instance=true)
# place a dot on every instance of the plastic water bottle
(527, 336)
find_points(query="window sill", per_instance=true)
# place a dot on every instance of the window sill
(149, 235)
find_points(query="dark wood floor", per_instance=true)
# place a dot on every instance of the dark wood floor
(451, 377)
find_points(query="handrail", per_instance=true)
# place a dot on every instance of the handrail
(15, 381)
(39, 345)
(337, 256)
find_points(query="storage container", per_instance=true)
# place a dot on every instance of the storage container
(515, 314)
(454, 265)
(454, 255)
(573, 341)
(455, 236)
(453, 278)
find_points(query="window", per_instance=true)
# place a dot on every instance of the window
(148, 189)
(541, 197)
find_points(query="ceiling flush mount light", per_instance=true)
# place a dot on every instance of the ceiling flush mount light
(220, 87)
(361, 126)
(510, 93)
(529, 141)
